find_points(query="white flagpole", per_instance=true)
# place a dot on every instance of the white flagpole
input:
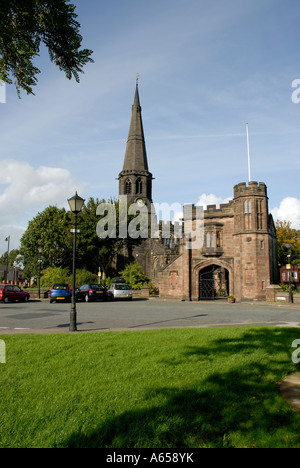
(248, 145)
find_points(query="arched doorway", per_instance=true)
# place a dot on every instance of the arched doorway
(213, 283)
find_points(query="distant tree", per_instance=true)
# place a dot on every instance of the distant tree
(94, 252)
(287, 235)
(14, 258)
(24, 25)
(51, 230)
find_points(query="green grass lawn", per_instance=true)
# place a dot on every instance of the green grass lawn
(183, 388)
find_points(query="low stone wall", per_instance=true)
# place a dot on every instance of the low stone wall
(284, 298)
(143, 293)
(34, 294)
(274, 294)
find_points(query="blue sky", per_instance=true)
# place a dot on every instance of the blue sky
(207, 68)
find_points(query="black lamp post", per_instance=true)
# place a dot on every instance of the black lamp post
(7, 263)
(40, 251)
(288, 247)
(76, 203)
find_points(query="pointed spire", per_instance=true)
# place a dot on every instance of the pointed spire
(136, 155)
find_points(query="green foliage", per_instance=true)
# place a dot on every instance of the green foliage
(24, 25)
(14, 258)
(63, 275)
(285, 234)
(134, 275)
(285, 287)
(51, 230)
(55, 275)
(85, 277)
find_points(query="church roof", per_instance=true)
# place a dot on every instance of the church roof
(136, 155)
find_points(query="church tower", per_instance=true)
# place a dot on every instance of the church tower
(135, 180)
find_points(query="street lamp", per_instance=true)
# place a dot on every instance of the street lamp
(7, 263)
(76, 203)
(288, 247)
(40, 251)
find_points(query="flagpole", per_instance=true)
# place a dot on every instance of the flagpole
(248, 146)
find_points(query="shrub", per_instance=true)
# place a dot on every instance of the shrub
(63, 275)
(285, 287)
(54, 275)
(134, 275)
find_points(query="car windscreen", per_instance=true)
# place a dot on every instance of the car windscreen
(60, 286)
(1, 287)
(96, 286)
(122, 287)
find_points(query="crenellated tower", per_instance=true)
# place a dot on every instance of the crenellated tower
(253, 242)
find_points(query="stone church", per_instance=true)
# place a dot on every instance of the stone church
(237, 255)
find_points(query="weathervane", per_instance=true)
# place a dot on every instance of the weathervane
(137, 78)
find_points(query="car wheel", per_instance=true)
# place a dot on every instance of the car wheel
(26, 299)
(5, 300)
(87, 298)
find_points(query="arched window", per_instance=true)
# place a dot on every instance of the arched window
(128, 187)
(208, 245)
(139, 186)
(248, 214)
(247, 207)
(259, 214)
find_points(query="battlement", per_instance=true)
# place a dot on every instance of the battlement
(253, 188)
(212, 211)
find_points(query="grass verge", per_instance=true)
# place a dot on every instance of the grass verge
(183, 388)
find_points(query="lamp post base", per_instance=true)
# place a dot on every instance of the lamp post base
(73, 326)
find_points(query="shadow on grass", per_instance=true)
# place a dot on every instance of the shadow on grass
(239, 405)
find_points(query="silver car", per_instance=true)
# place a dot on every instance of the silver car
(120, 291)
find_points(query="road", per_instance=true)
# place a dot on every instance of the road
(43, 317)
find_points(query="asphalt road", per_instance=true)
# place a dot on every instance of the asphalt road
(43, 317)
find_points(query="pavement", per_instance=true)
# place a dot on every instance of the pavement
(290, 391)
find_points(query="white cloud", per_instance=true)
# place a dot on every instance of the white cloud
(26, 190)
(288, 210)
(205, 200)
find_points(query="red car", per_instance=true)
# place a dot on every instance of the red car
(11, 292)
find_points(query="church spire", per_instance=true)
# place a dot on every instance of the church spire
(135, 180)
(136, 155)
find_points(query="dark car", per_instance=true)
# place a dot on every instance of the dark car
(11, 292)
(60, 292)
(91, 292)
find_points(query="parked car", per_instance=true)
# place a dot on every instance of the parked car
(11, 292)
(91, 292)
(60, 292)
(119, 291)
(118, 280)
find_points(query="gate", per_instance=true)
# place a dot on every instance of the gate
(213, 283)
